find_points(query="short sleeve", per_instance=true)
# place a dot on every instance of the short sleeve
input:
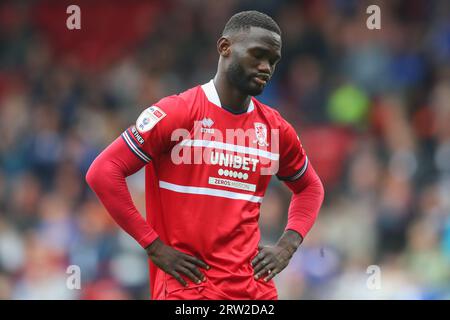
(293, 158)
(153, 132)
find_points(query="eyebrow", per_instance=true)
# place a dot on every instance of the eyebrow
(277, 56)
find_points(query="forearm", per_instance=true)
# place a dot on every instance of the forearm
(106, 177)
(303, 210)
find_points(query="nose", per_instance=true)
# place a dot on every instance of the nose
(264, 67)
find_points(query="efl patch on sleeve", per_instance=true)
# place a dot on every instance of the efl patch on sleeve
(149, 118)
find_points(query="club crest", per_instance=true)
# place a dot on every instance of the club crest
(261, 134)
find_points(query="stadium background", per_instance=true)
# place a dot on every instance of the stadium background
(371, 107)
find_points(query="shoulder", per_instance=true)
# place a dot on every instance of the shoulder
(172, 110)
(272, 115)
(185, 100)
(179, 102)
(189, 96)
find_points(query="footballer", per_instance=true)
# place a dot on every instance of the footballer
(209, 154)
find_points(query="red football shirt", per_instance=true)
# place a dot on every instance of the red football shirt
(208, 171)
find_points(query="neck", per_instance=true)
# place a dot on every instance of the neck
(230, 97)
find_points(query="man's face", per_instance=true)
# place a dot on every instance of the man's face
(254, 55)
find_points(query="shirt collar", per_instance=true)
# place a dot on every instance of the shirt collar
(211, 93)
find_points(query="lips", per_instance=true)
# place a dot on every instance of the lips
(261, 79)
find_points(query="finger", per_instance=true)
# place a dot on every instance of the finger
(265, 270)
(194, 270)
(197, 262)
(260, 265)
(177, 276)
(272, 274)
(258, 258)
(189, 274)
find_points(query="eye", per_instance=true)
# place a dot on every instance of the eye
(258, 54)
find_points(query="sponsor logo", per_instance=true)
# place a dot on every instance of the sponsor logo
(234, 161)
(231, 173)
(149, 118)
(232, 184)
(137, 135)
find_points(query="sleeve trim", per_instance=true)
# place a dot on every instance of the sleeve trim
(148, 239)
(134, 148)
(298, 174)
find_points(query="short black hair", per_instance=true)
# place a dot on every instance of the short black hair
(247, 19)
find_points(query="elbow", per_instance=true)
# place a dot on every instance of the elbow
(320, 190)
(317, 191)
(89, 177)
(93, 174)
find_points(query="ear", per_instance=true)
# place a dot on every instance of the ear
(224, 46)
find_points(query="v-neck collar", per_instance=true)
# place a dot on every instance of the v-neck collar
(211, 93)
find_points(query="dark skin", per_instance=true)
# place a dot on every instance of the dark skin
(175, 262)
(243, 56)
(247, 61)
(271, 260)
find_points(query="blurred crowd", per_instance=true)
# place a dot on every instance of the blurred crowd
(372, 108)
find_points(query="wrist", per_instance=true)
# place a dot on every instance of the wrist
(290, 241)
(153, 247)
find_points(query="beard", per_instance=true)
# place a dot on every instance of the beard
(238, 78)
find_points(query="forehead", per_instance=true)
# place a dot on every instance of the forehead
(259, 37)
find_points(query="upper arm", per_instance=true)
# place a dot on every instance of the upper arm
(293, 159)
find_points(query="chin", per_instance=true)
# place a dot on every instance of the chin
(255, 91)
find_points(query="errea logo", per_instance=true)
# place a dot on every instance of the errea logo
(207, 122)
